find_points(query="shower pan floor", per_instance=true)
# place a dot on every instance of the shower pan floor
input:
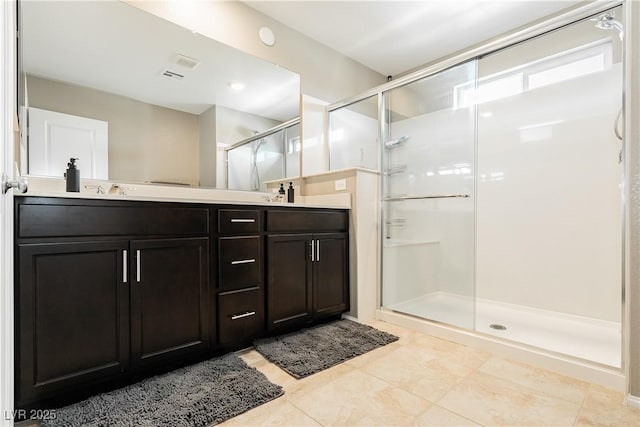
(590, 339)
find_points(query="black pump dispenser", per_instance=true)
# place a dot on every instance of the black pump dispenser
(73, 176)
(290, 192)
(281, 192)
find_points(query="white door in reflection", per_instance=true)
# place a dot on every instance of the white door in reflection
(55, 137)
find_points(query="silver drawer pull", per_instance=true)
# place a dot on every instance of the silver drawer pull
(242, 220)
(313, 251)
(124, 266)
(243, 261)
(138, 266)
(240, 316)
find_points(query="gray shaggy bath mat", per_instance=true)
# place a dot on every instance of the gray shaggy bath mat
(311, 350)
(198, 395)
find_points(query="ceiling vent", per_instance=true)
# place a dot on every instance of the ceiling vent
(172, 75)
(186, 62)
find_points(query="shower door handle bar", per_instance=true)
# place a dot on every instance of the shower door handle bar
(444, 196)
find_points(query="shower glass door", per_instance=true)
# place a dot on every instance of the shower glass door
(549, 216)
(428, 197)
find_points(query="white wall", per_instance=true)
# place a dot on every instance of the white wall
(312, 121)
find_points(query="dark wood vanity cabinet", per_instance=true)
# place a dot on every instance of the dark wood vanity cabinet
(108, 291)
(308, 273)
(105, 289)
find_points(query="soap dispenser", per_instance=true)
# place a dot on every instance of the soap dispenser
(281, 193)
(290, 192)
(73, 176)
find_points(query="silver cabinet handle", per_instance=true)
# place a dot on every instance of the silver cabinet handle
(242, 220)
(138, 266)
(243, 261)
(318, 250)
(313, 251)
(240, 316)
(124, 266)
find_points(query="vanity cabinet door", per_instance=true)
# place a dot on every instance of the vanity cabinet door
(72, 302)
(289, 293)
(169, 300)
(330, 275)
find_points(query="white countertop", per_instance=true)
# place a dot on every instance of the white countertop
(47, 187)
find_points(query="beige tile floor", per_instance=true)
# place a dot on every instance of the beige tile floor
(425, 381)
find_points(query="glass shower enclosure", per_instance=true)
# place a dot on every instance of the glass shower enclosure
(428, 199)
(501, 192)
(270, 155)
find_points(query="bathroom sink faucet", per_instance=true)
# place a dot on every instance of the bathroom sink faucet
(119, 189)
(99, 188)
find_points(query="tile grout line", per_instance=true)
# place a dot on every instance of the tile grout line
(534, 391)
(304, 412)
(459, 382)
(323, 385)
(582, 404)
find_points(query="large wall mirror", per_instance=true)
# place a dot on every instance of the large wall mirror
(144, 99)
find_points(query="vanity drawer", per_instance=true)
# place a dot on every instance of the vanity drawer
(240, 261)
(234, 221)
(240, 315)
(79, 218)
(309, 220)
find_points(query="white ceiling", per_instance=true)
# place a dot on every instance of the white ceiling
(75, 42)
(392, 37)
(114, 47)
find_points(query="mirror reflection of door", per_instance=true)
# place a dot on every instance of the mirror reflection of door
(55, 137)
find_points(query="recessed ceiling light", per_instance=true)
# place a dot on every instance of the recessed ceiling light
(267, 36)
(236, 85)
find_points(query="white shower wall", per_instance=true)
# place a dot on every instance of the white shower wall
(549, 200)
(353, 140)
